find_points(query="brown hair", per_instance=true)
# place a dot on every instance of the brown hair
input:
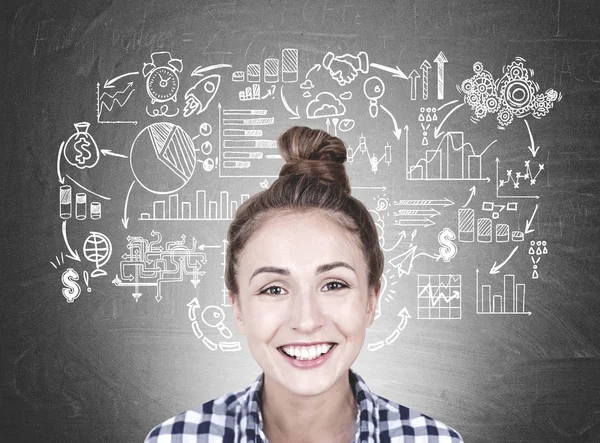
(313, 178)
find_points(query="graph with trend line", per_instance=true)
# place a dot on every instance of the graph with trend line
(439, 297)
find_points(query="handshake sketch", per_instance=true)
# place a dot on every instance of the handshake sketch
(345, 68)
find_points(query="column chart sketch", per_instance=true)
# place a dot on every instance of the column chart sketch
(484, 229)
(439, 297)
(510, 301)
(363, 150)
(243, 150)
(199, 209)
(453, 159)
(149, 264)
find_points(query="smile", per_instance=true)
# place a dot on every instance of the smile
(307, 352)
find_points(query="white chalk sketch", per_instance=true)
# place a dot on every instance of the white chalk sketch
(254, 93)
(391, 338)
(439, 297)
(374, 88)
(325, 104)
(363, 149)
(514, 94)
(516, 179)
(162, 84)
(200, 209)
(483, 229)
(199, 96)
(453, 159)
(242, 150)
(81, 149)
(289, 65)
(116, 92)
(418, 217)
(404, 262)
(212, 316)
(510, 301)
(448, 248)
(97, 249)
(163, 158)
(440, 61)
(71, 289)
(345, 68)
(425, 67)
(536, 250)
(413, 76)
(78, 207)
(150, 264)
(496, 267)
(73, 254)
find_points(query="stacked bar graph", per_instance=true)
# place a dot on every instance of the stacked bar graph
(510, 301)
(452, 160)
(200, 209)
(483, 229)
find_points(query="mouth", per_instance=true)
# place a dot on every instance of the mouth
(307, 352)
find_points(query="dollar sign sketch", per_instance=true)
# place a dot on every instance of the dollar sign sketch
(448, 248)
(83, 154)
(72, 290)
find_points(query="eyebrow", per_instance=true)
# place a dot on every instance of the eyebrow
(320, 269)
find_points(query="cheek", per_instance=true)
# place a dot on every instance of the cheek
(263, 320)
(349, 316)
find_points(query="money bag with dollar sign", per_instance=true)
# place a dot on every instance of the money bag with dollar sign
(81, 149)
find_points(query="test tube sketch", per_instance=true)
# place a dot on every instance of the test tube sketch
(439, 297)
(151, 264)
(243, 149)
(200, 209)
(212, 317)
(78, 207)
(510, 301)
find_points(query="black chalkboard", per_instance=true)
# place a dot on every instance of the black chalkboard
(472, 130)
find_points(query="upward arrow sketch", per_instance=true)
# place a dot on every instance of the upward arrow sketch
(425, 67)
(440, 60)
(414, 75)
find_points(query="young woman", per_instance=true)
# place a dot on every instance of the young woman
(303, 269)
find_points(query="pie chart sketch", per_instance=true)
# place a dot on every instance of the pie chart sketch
(163, 158)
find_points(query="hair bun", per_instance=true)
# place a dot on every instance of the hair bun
(314, 153)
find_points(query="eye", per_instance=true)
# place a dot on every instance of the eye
(276, 290)
(335, 285)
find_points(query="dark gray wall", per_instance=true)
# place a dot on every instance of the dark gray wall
(105, 367)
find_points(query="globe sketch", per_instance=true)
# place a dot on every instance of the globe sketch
(97, 249)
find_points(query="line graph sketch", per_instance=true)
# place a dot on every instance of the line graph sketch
(439, 297)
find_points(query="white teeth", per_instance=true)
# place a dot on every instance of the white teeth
(307, 352)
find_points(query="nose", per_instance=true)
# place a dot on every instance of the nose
(306, 313)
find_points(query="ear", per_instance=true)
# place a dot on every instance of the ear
(372, 304)
(237, 313)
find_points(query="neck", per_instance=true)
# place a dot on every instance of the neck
(291, 417)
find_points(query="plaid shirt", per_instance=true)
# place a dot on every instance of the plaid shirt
(236, 418)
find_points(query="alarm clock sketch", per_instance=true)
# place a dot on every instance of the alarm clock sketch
(162, 82)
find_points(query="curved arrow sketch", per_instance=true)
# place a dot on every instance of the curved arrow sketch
(72, 254)
(496, 268)
(295, 114)
(125, 219)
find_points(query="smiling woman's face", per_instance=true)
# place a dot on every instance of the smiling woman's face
(303, 281)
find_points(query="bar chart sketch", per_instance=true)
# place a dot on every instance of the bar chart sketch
(243, 149)
(439, 297)
(510, 301)
(200, 209)
(484, 229)
(453, 159)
